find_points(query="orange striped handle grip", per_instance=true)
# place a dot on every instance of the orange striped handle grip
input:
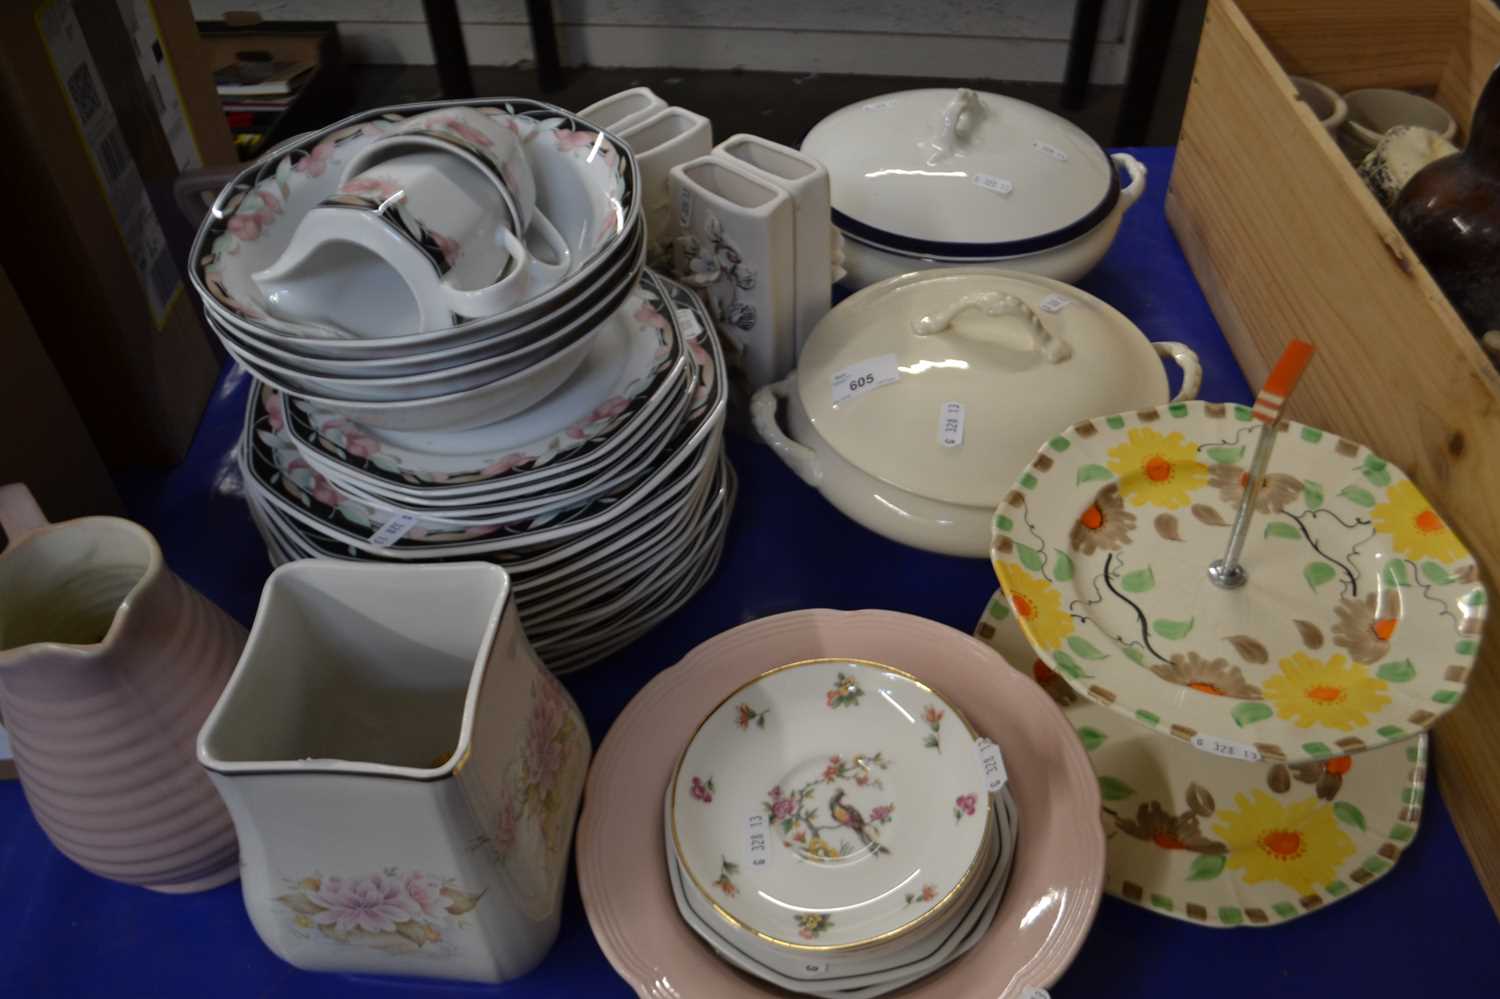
(1284, 377)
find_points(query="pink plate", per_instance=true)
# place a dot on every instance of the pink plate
(1059, 865)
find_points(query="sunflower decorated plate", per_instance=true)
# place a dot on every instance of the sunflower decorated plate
(1358, 625)
(1222, 842)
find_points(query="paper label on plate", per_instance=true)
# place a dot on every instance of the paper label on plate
(880, 105)
(951, 424)
(394, 530)
(991, 183)
(757, 842)
(866, 376)
(687, 321)
(993, 762)
(1050, 150)
(1054, 303)
(1234, 750)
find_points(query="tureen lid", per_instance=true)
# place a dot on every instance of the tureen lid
(944, 383)
(961, 173)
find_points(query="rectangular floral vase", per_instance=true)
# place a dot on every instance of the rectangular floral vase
(402, 773)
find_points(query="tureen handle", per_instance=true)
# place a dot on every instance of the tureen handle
(798, 457)
(1187, 360)
(958, 120)
(19, 513)
(997, 303)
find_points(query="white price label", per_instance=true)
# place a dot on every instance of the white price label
(1050, 150)
(990, 183)
(1234, 750)
(687, 321)
(993, 762)
(866, 376)
(394, 530)
(880, 105)
(1054, 303)
(951, 424)
(757, 842)
(684, 207)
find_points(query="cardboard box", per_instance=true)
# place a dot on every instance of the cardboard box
(105, 103)
(1287, 241)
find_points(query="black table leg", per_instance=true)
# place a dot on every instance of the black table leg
(1148, 61)
(544, 44)
(1081, 52)
(448, 50)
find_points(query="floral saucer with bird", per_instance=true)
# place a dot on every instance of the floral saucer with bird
(1358, 625)
(831, 804)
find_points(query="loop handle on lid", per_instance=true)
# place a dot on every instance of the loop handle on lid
(958, 121)
(995, 303)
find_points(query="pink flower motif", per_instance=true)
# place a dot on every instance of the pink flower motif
(365, 184)
(324, 493)
(357, 443)
(966, 803)
(426, 893)
(465, 131)
(271, 201)
(504, 464)
(783, 808)
(316, 161)
(246, 225)
(275, 415)
(648, 315)
(703, 792)
(568, 139)
(881, 813)
(374, 904)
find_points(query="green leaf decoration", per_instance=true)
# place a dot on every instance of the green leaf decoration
(1030, 557)
(1381, 479)
(1067, 666)
(1207, 866)
(1318, 573)
(1135, 655)
(1279, 529)
(1114, 789)
(1174, 630)
(1093, 473)
(1349, 815)
(1400, 671)
(1091, 738)
(1226, 455)
(1083, 648)
(1062, 567)
(1394, 574)
(1250, 712)
(1474, 598)
(1373, 464)
(1139, 581)
(1435, 573)
(1312, 493)
(1358, 496)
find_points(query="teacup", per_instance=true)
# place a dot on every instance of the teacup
(1374, 111)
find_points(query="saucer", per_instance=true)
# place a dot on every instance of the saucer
(1223, 842)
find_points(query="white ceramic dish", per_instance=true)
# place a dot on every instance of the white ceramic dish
(586, 186)
(925, 178)
(862, 783)
(918, 401)
(620, 110)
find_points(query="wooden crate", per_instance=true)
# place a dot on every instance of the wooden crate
(1287, 242)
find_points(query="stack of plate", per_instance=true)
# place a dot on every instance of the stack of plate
(830, 830)
(576, 440)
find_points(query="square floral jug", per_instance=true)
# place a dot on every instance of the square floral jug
(402, 772)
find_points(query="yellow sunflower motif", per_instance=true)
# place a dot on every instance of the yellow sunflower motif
(1158, 469)
(1299, 845)
(1039, 607)
(1335, 693)
(1415, 528)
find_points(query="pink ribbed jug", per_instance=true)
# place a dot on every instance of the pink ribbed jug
(108, 665)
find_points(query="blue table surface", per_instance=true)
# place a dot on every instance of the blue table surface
(1424, 929)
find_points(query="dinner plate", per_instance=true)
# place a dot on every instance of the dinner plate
(857, 781)
(1223, 842)
(585, 186)
(628, 370)
(1357, 627)
(1059, 862)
